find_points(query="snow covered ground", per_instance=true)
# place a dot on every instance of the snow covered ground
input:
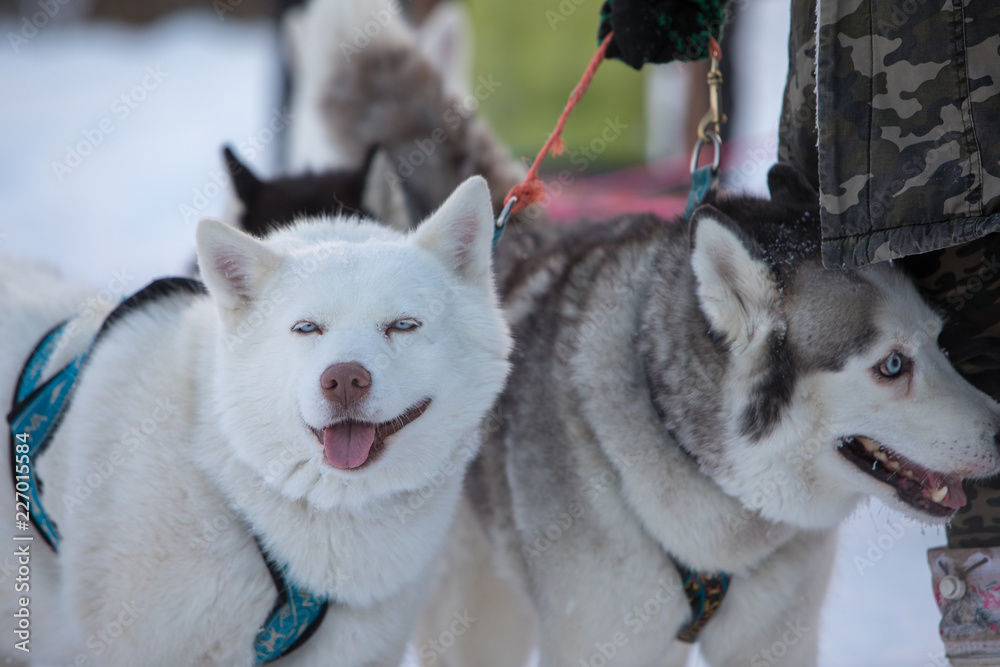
(109, 152)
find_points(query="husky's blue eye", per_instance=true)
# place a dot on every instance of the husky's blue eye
(306, 327)
(892, 365)
(404, 325)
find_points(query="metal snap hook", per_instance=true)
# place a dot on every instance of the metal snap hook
(716, 159)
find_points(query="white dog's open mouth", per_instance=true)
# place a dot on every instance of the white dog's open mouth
(931, 492)
(351, 444)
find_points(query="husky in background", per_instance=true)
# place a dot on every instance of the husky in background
(402, 89)
(317, 406)
(264, 205)
(704, 395)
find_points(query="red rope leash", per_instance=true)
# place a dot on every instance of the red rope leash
(532, 189)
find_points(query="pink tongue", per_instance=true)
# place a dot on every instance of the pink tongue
(956, 495)
(347, 444)
(955, 498)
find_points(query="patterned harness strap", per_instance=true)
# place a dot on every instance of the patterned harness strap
(34, 416)
(705, 592)
(296, 615)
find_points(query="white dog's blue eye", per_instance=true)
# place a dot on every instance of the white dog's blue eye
(404, 325)
(892, 365)
(306, 327)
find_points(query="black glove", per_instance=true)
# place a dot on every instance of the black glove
(661, 31)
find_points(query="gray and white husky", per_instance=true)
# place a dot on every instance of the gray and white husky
(704, 395)
(332, 374)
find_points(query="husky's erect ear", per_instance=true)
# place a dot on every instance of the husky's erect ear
(735, 288)
(247, 185)
(444, 39)
(460, 233)
(233, 265)
(383, 195)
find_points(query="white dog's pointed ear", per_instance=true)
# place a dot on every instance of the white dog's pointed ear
(735, 288)
(460, 233)
(233, 265)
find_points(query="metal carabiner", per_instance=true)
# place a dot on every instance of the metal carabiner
(716, 145)
(501, 222)
(714, 118)
(502, 218)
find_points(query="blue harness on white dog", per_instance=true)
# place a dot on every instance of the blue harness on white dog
(34, 417)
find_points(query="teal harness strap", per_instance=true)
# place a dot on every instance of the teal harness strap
(703, 178)
(701, 182)
(296, 615)
(34, 416)
(35, 412)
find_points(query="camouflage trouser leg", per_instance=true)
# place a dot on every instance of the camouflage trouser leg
(963, 282)
(797, 132)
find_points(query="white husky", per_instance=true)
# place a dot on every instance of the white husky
(316, 407)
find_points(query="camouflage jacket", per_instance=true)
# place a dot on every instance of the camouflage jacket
(907, 122)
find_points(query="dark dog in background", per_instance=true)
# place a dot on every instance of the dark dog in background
(267, 204)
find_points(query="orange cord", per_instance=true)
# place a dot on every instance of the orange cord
(714, 50)
(532, 189)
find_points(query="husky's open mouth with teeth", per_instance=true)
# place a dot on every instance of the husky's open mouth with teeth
(932, 492)
(351, 444)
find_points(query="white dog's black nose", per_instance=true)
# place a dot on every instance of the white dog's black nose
(345, 384)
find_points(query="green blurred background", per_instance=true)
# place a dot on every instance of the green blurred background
(537, 51)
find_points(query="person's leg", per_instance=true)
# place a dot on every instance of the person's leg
(963, 282)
